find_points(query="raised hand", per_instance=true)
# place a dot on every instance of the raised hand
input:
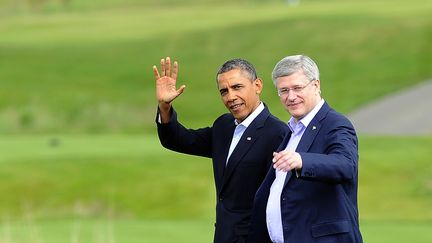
(166, 90)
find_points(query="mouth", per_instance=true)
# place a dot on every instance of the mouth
(294, 105)
(235, 107)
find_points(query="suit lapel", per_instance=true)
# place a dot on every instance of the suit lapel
(246, 141)
(250, 135)
(310, 133)
(308, 136)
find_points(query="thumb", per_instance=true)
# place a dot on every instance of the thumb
(181, 89)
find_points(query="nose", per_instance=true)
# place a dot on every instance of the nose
(231, 96)
(291, 95)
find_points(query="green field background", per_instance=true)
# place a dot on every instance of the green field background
(80, 160)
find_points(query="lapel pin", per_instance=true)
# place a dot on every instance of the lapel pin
(314, 127)
(248, 138)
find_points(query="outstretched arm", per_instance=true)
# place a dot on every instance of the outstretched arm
(166, 90)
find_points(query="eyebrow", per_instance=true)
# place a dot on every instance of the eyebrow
(233, 85)
(236, 85)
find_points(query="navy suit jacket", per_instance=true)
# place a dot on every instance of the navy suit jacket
(236, 183)
(320, 205)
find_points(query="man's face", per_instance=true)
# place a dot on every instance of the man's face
(239, 93)
(303, 95)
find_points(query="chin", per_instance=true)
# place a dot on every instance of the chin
(296, 116)
(239, 118)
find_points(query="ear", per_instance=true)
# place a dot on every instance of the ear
(258, 84)
(317, 85)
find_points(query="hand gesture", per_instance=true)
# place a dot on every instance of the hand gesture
(166, 90)
(287, 160)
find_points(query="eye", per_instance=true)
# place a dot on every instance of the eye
(237, 87)
(297, 88)
(223, 91)
(283, 90)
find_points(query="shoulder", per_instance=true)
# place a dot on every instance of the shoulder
(275, 122)
(336, 118)
(267, 121)
(223, 119)
(271, 120)
(330, 116)
(271, 125)
(274, 119)
(334, 121)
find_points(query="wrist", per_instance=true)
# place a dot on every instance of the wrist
(164, 107)
(164, 112)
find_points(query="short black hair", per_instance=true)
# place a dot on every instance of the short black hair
(238, 63)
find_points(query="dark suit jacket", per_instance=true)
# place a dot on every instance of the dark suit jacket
(321, 204)
(236, 184)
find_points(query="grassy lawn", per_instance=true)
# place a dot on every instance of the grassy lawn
(107, 231)
(128, 176)
(107, 188)
(396, 231)
(181, 231)
(90, 71)
(79, 158)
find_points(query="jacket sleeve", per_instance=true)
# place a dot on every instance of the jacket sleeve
(335, 157)
(176, 137)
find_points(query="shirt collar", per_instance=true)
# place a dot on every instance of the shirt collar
(292, 124)
(246, 122)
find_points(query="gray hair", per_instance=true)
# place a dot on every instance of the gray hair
(292, 64)
(238, 63)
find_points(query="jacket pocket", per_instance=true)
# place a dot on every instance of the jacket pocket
(330, 228)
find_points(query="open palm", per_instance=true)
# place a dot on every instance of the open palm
(166, 90)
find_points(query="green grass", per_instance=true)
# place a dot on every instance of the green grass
(120, 185)
(90, 71)
(395, 178)
(70, 71)
(181, 231)
(396, 231)
(107, 231)
(126, 175)
(48, 6)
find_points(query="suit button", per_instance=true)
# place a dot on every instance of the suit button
(221, 199)
(283, 199)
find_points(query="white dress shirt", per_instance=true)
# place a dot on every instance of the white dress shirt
(273, 211)
(240, 128)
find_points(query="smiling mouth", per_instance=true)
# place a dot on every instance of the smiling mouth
(293, 104)
(235, 107)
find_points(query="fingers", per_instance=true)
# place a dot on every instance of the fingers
(162, 63)
(286, 160)
(181, 89)
(282, 165)
(278, 161)
(168, 66)
(156, 73)
(175, 71)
